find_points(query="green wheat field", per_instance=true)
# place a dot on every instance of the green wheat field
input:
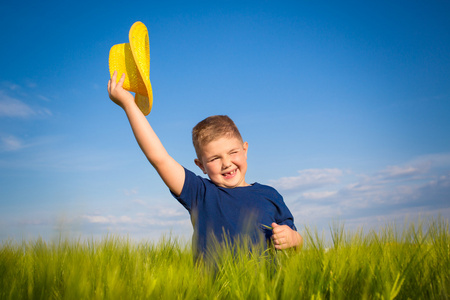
(412, 263)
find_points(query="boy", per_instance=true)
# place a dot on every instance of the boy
(224, 204)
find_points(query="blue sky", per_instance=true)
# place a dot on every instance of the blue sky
(345, 106)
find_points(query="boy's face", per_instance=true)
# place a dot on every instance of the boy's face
(225, 162)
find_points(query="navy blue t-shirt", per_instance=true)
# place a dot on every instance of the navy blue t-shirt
(234, 211)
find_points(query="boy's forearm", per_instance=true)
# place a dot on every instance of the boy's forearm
(144, 134)
(170, 171)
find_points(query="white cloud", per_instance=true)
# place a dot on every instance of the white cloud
(400, 171)
(14, 143)
(11, 143)
(129, 192)
(31, 84)
(143, 224)
(10, 86)
(420, 186)
(140, 202)
(110, 219)
(97, 219)
(13, 107)
(435, 159)
(307, 179)
(54, 153)
(318, 195)
(153, 215)
(161, 211)
(46, 99)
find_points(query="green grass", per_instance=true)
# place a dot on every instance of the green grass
(387, 264)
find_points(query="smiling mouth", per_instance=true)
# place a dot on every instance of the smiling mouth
(230, 174)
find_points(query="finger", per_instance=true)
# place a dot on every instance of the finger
(112, 81)
(279, 244)
(114, 76)
(281, 247)
(277, 230)
(277, 240)
(281, 241)
(275, 227)
(122, 79)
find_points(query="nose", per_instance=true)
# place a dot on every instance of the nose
(226, 163)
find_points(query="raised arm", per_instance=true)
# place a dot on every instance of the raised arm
(171, 172)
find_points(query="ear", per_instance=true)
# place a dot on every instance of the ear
(245, 149)
(200, 165)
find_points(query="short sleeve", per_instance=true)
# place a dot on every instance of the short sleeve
(284, 216)
(193, 189)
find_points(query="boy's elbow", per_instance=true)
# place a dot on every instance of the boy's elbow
(172, 173)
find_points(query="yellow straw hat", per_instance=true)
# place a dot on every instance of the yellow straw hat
(133, 59)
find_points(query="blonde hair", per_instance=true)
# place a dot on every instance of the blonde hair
(213, 128)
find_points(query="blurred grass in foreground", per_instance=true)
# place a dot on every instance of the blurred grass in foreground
(387, 264)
